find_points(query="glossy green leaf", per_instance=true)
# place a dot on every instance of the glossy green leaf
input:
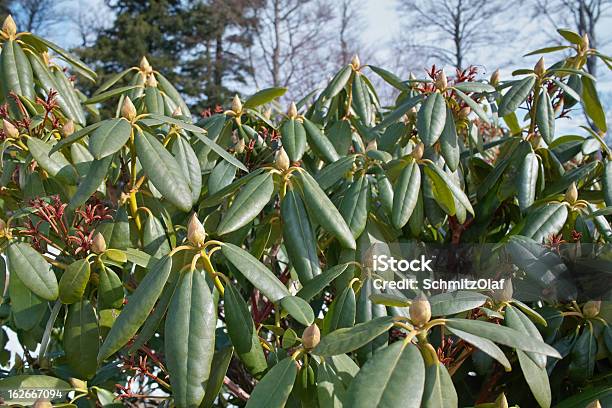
(583, 356)
(516, 95)
(110, 289)
(439, 177)
(449, 303)
(484, 345)
(299, 309)
(73, 282)
(274, 389)
(242, 332)
(255, 272)
(478, 110)
(109, 138)
(191, 319)
(16, 71)
(264, 96)
(221, 176)
(81, 339)
(351, 338)
(545, 117)
(249, 202)
(394, 377)
(607, 182)
(341, 311)
(515, 319)
(320, 206)
(32, 270)
(220, 363)
(154, 240)
(528, 180)
(27, 381)
(163, 171)
(338, 82)
(431, 118)
(316, 285)
(545, 221)
(55, 164)
(439, 391)
(335, 171)
(319, 143)
(502, 335)
(354, 205)
(592, 104)
(27, 309)
(137, 309)
(449, 142)
(299, 238)
(479, 87)
(294, 139)
(406, 194)
(189, 164)
(362, 103)
(166, 86)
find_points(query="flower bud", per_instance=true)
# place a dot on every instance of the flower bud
(281, 160)
(9, 129)
(418, 150)
(585, 42)
(505, 293)
(591, 308)
(145, 66)
(441, 82)
(177, 112)
(267, 113)
(420, 310)
(78, 384)
(42, 403)
(236, 104)
(571, 195)
(411, 77)
(355, 62)
(494, 80)
(239, 146)
(464, 112)
(98, 244)
(196, 235)
(151, 81)
(68, 128)
(539, 68)
(311, 336)
(292, 112)
(9, 27)
(128, 110)
(501, 401)
(594, 404)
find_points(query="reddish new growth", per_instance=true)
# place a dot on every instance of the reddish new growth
(208, 112)
(73, 238)
(141, 368)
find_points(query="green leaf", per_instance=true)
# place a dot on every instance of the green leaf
(547, 50)
(16, 71)
(545, 221)
(399, 111)
(578, 175)
(545, 117)
(567, 89)
(319, 143)
(255, 272)
(450, 303)
(341, 311)
(137, 309)
(91, 182)
(320, 206)
(55, 164)
(192, 318)
(73, 281)
(293, 139)
(390, 78)
(103, 96)
(79, 134)
(221, 176)
(537, 379)
(362, 103)
(516, 320)
(607, 183)
(528, 180)
(299, 309)
(110, 289)
(188, 161)
(81, 339)
(299, 237)
(24, 381)
(570, 36)
(274, 389)
(439, 390)
(338, 82)
(588, 395)
(249, 202)
(354, 205)
(592, 105)
(32, 270)
(484, 345)
(220, 363)
(264, 96)
(316, 285)
(331, 392)
(163, 171)
(583, 356)
(516, 95)
(431, 119)
(502, 335)
(109, 138)
(440, 177)
(169, 89)
(351, 338)
(154, 240)
(242, 332)
(333, 172)
(474, 106)
(449, 142)
(406, 194)
(394, 377)
(27, 309)
(478, 87)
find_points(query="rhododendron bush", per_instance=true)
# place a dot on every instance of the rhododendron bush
(156, 256)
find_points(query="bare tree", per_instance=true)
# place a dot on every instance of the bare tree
(37, 15)
(289, 41)
(582, 16)
(454, 29)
